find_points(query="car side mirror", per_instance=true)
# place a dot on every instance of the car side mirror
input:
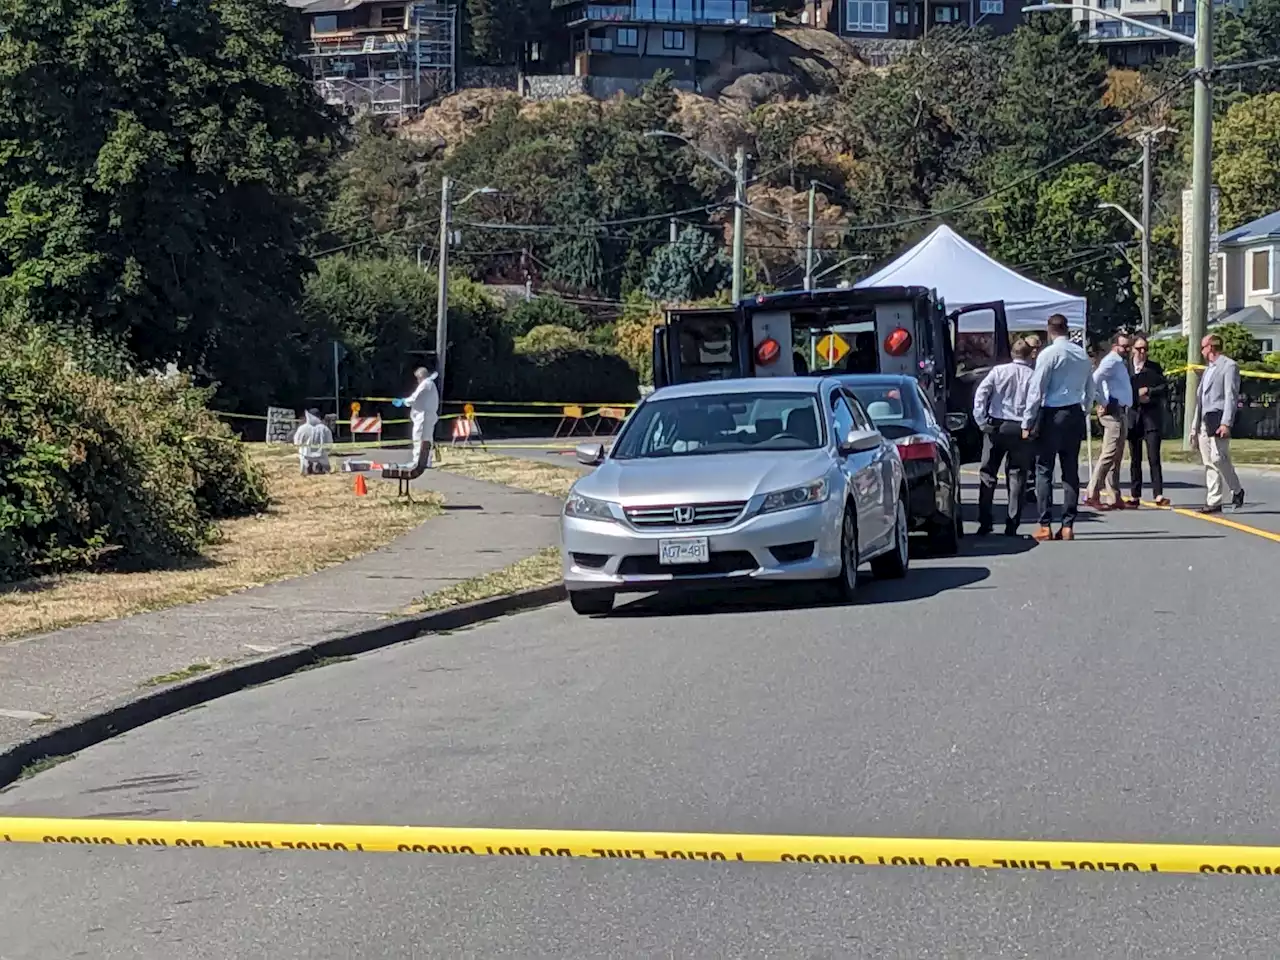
(957, 422)
(861, 441)
(592, 454)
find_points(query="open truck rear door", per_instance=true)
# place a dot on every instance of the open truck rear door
(970, 369)
(661, 359)
(708, 343)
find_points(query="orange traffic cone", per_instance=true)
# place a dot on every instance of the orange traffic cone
(361, 487)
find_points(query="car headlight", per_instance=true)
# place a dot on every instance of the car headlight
(586, 508)
(814, 492)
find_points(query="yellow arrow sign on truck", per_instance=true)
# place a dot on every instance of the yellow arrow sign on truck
(832, 348)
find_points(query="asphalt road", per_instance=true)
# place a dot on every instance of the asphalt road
(1121, 687)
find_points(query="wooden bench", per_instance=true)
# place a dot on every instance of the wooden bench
(406, 475)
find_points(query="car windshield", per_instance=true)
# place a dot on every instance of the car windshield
(725, 423)
(891, 406)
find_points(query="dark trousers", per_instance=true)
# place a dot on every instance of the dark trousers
(1061, 432)
(1145, 431)
(1001, 442)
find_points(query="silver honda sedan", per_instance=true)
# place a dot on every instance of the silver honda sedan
(736, 483)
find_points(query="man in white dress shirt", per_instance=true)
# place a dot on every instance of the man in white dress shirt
(1114, 389)
(998, 406)
(1062, 389)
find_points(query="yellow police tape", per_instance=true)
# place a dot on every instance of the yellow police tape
(605, 844)
(509, 403)
(1257, 374)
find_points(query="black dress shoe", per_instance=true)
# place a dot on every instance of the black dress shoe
(1217, 508)
(983, 529)
(1010, 529)
(1237, 499)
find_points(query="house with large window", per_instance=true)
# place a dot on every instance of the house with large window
(1126, 44)
(1247, 280)
(913, 19)
(632, 41)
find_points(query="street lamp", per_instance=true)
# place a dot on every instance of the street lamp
(808, 242)
(442, 295)
(739, 174)
(1146, 257)
(1202, 147)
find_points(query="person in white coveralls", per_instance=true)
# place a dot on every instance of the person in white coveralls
(424, 411)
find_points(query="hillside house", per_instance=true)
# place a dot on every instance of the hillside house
(913, 19)
(1129, 45)
(633, 41)
(383, 56)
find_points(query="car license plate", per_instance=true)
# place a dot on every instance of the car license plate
(687, 550)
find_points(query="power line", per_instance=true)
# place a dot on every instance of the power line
(594, 224)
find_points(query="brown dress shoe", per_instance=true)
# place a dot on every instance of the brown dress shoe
(1066, 533)
(1042, 534)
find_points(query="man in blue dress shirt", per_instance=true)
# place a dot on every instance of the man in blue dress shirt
(1062, 389)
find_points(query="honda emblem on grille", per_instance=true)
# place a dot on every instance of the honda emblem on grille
(683, 514)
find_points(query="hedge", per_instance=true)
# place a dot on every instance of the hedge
(103, 468)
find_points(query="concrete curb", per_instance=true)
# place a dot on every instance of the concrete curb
(144, 708)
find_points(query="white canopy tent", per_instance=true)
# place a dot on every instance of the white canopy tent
(964, 275)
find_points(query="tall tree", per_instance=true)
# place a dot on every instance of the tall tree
(1051, 99)
(497, 30)
(1246, 159)
(154, 158)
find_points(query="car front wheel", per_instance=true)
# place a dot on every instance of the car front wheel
(591, 603)
(893, 565)
(845, 587)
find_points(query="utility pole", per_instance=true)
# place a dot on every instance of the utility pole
(808, 243)
(442, 296)
(1147, 137)
(1201, 177)
(739, 205)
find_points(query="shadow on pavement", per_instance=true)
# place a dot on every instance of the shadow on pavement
(997, 544)
(920, 583)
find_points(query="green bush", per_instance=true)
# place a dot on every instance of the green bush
(97, 469)
(541, 311)
(572, 375)
(550, 337)
(384, 312)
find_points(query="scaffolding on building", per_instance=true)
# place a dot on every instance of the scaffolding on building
(390, 73)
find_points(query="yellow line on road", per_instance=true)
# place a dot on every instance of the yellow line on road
(635, 845)
(1195, 515)
(1220, 520)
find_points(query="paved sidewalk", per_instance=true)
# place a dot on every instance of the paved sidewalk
(58, 678)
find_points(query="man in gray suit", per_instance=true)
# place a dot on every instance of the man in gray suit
(1211, 425)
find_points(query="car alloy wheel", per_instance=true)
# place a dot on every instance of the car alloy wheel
(846, 584)
(893, 565)
(900, 536)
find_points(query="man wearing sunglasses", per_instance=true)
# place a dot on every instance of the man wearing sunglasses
(1146, 423)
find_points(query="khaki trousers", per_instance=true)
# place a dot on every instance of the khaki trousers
(1107, 473)
(1219, 472)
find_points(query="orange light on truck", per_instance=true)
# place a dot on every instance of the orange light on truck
(898, 342)
(768, 351)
